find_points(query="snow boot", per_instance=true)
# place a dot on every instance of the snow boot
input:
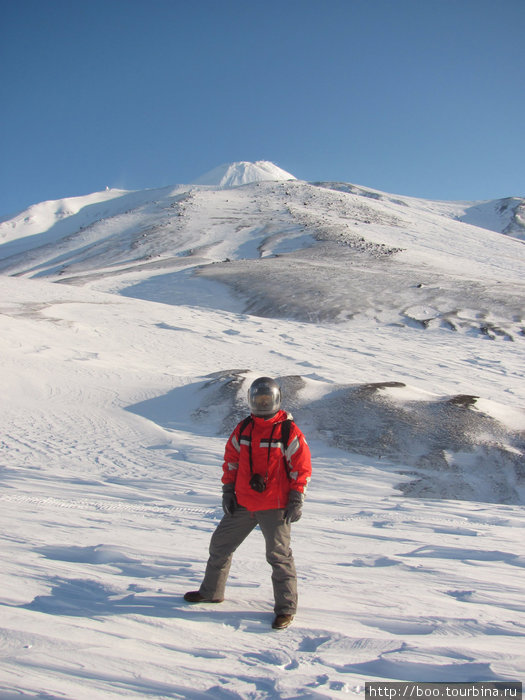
(196, 597)
(282, 621)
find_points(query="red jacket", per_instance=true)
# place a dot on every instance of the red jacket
(263, 438)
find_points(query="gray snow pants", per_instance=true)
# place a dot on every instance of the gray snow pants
(231, 532)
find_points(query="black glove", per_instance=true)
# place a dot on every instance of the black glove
(294, 509)
(229, 502)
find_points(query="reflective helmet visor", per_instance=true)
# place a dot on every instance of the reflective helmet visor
(264, 397)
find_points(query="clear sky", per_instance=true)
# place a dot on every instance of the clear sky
(415, 97)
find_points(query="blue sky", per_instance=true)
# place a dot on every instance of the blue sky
(415, 97)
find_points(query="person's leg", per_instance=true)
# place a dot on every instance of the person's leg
(230, 533)
(279, 555)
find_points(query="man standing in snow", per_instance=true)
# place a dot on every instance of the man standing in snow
(266, 470)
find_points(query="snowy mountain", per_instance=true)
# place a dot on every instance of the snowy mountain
(436, 267)
(243, 173)
(132, 324)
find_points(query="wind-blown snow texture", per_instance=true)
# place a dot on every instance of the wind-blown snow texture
(132, 324)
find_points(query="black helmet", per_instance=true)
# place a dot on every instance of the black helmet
(264, 397)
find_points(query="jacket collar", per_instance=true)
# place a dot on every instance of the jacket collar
(278, 418)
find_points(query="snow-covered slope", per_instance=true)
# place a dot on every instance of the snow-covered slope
(286, 249)
(505, 215)
(132, 324)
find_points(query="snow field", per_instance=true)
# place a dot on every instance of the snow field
(106, 515)
(131, 324)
